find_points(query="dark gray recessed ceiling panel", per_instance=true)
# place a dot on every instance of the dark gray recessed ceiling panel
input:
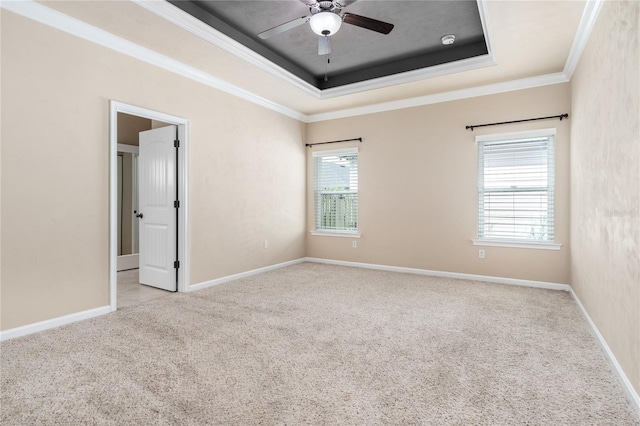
(357, 54)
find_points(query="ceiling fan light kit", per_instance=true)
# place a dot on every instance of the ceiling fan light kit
(325, 20)
(325, 23)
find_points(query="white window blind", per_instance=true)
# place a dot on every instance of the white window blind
(336, 190)
(516, 187)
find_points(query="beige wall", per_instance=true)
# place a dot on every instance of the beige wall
(605, 181)
(129, 128)
(418, 186)
(155, 124)
(246, 172)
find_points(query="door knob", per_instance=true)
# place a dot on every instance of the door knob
(139, 215)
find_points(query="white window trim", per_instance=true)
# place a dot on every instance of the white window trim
(322, 153)
(527, 244)
(346, 234)
(516, 135)
(333, 232)
(517, 244)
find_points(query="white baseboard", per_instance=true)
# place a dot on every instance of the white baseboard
(626, 383)
(456, 275)
(631, 392)
(52, 323)
(91, 313)
(128, 261)
(228, 278)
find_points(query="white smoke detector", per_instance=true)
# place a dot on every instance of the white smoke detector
(448, 39)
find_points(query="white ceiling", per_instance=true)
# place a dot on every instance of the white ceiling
(531, 42)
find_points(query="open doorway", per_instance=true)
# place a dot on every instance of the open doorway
(148, 240)
(131, 290)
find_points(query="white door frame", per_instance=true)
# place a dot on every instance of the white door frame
(129, 261)
(183, 192)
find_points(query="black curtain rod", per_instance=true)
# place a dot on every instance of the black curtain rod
(344, 140)
(561, 116)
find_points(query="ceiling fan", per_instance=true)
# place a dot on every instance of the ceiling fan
(325, 20)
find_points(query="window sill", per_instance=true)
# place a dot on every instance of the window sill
(347, 234)
(517, 244)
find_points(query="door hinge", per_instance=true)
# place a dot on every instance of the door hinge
(176, 204)
(176, 264)
(176, 143)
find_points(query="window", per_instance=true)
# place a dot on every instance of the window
(336, 191)
(515, 188)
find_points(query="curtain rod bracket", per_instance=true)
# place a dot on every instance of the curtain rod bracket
(561, 116)
(343, 140)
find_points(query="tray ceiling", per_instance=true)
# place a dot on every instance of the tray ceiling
(531, 43)
(358, 54)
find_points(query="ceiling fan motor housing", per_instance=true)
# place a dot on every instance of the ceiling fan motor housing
(325, 6)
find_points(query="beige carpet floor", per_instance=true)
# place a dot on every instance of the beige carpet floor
(322, 345)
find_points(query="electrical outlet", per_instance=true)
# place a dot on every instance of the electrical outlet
(481, 254)
(354, 244)
(266, 244)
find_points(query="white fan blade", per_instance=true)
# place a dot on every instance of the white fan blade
(324, 45)
(283, 27)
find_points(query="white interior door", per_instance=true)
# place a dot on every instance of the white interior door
(157, 214)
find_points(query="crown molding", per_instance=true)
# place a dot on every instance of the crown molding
(472, 92)
(588, 20)
(189, 23)
(40, 13)
(198, 28)
(448, 68)
(483, 10)
(44, 15)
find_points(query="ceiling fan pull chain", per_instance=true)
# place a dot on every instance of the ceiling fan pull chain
(326, 67)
